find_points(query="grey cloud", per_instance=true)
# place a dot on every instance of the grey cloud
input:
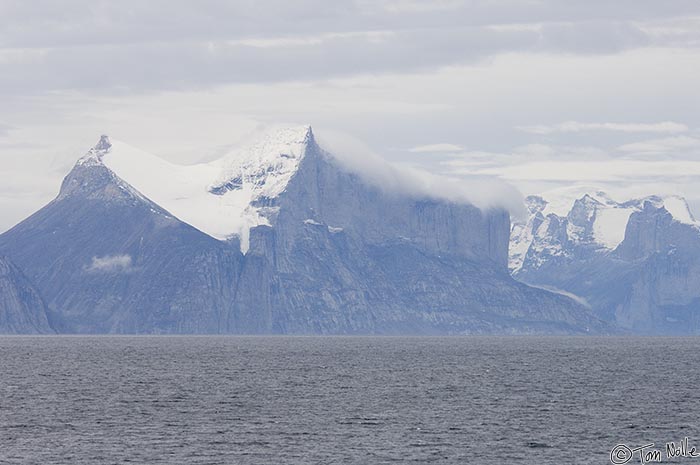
(677, 145)
(192, 64)
(183, 64)
(593, 37)
(46, 23)
(139, 46)
(43, 23)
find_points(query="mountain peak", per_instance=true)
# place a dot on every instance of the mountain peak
(535, 204)
(223, 198)
(104, 144)
(588, 200)
(95, 154)
(278, 138)
(265, 162)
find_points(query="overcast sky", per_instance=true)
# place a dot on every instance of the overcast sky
(541, 93)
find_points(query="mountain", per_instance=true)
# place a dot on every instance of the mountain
(278, 236)
(22, 311)
(635, 263)
(107, 259)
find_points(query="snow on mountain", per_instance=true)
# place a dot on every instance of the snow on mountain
(636, 263)
(582, 217)
(609, 226)
(227, 197)
(560, 201)
(607, 217)
(522, 234)
(345, 253)
(678, 208)
(223, 198)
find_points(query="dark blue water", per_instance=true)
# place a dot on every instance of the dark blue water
(237, 400)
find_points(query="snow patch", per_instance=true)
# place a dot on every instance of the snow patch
(678, 208)
(331, 229)
(610, 224)
(520, 239)
(223, 198)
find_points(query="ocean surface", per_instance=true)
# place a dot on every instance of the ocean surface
(344, 400)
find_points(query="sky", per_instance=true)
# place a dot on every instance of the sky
(538, 93)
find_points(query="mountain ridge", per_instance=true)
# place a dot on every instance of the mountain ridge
(641, 281)
(336, 255)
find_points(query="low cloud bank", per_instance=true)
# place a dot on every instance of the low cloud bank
(110, 264)
(484, 192)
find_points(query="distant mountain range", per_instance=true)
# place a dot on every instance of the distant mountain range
(636, 263)
(276, 237)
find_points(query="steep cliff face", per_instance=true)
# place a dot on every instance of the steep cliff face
(277, 237)
(343, 255)
(665, 296)
(323, 192)
(644, 280)
(22, 311)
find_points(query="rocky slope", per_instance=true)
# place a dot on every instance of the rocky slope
(277, 237)
(106, 259)
(22, 311)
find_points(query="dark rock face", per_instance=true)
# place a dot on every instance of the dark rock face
(340, 257)
(22, 311)
(345, 257)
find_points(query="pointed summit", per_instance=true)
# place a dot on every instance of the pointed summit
(95, 154)
(104, 144)
(309, 133)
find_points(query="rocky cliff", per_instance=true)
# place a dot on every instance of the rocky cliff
(638, 268)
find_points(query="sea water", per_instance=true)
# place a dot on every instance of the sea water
(345, 400)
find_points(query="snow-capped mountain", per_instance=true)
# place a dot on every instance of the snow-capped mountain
(277, 236)
(581, 241)
(224, 198)
(579, 220)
